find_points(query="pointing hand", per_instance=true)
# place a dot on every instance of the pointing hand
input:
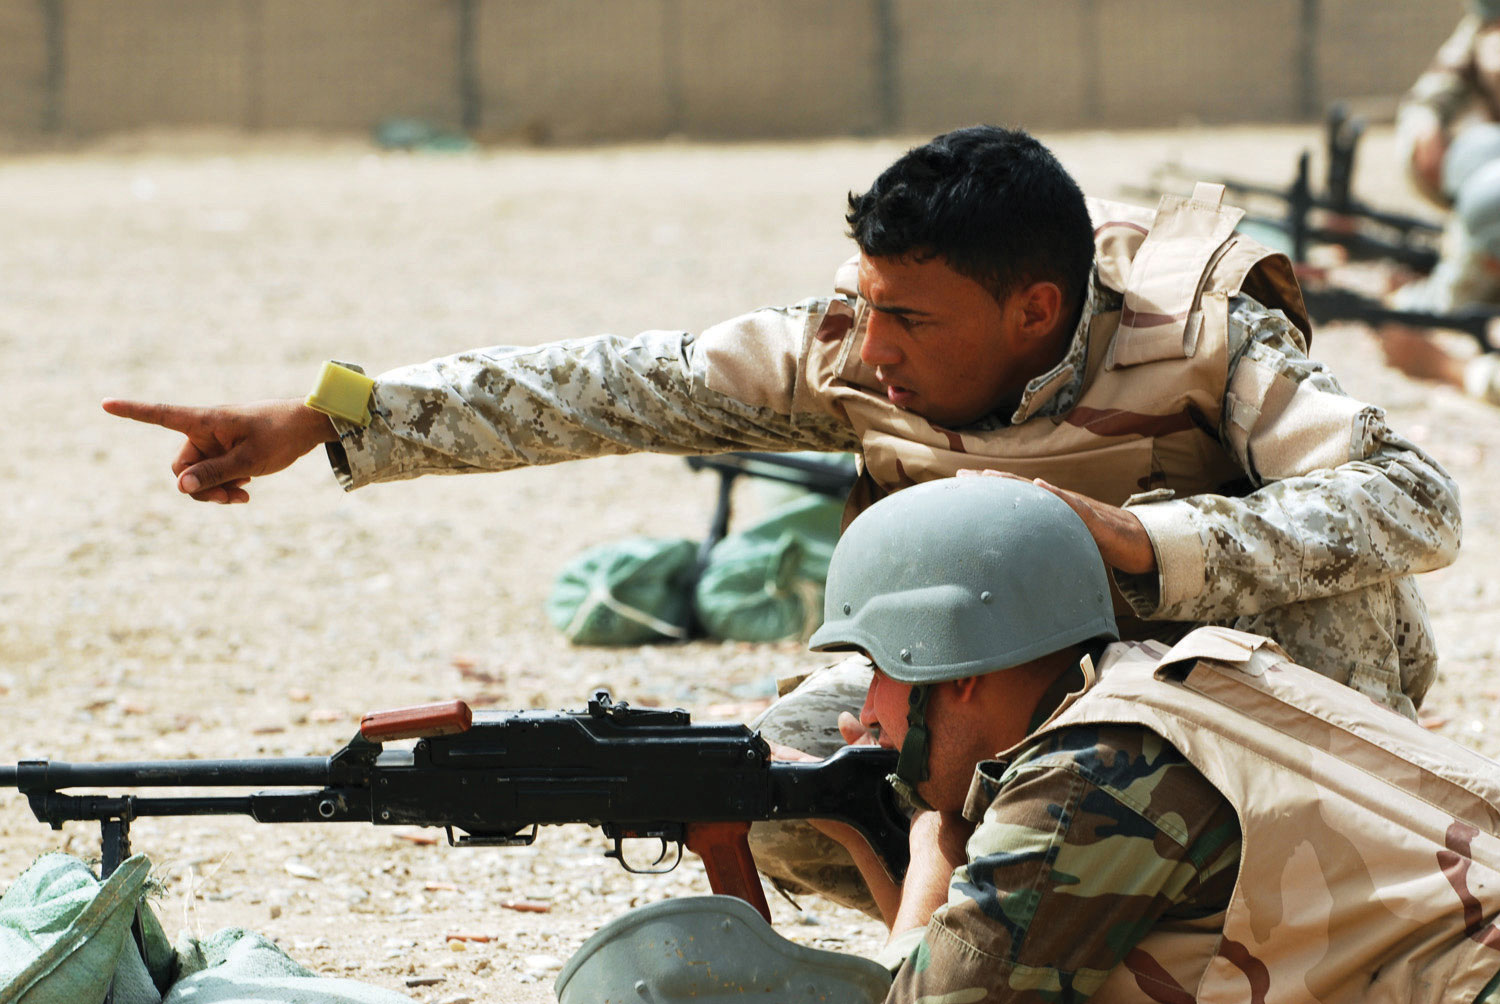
(228, 445)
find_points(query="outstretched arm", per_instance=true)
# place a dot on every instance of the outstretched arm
(228, 445)
(737, 386)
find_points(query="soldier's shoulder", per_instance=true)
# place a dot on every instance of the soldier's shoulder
(1131, 764)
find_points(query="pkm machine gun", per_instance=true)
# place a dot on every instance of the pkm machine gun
(494, 778)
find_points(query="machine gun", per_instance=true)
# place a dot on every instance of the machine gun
(493, 778)
(1330, 303)
(1299, 217)
(832, 475)
(1296, 218)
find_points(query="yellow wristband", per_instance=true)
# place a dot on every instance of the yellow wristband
(342, 393)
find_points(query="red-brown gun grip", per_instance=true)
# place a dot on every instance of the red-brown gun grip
(417, 722)
(725, 850)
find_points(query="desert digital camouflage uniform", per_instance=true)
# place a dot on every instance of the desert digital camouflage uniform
(1109, 862)
(1460, 88)
(1298, 512)
(1462, 80)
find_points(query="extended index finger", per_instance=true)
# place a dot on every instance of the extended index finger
(176, 417)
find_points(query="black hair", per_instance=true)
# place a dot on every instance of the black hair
(992, 203)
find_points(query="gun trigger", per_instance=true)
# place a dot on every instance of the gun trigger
(618, 853)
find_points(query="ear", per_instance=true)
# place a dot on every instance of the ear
(1040, 305)
(965, 689)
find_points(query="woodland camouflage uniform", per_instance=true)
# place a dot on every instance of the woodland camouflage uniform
(1365, 871)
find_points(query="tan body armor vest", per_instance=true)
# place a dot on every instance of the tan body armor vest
(1370, 862)
(1155, 374)
(1147, 418)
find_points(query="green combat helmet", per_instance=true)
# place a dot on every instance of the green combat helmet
(710, 950)
(960, 577)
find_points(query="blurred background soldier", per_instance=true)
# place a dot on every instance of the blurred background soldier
(1448, 132)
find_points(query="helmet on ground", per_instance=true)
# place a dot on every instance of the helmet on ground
(964, 576)
(710, 950)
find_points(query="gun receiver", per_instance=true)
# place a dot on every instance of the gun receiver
(494, 778)
(1363, 231)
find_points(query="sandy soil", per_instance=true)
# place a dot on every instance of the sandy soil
(138, 624)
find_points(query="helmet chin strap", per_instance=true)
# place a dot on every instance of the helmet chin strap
(911, 766)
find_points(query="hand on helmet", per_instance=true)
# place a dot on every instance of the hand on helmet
(1123, 542)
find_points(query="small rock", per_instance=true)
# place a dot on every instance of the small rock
(424, 981)
(526, 906)
(541, 963)
(297, 869)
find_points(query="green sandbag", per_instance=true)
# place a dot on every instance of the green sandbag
(236, 966)
(64, 936)
(62, 933)
(629, 592)
(765, 583)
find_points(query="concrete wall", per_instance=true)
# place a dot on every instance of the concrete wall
(24, 60)
(573, 69)
(580, 70)
(1009, 61)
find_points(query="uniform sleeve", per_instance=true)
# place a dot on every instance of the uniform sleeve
(736, 386)
(1084, 845)
(1443, 91)
(1339, 501)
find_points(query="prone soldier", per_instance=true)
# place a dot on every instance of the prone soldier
(1110, 822)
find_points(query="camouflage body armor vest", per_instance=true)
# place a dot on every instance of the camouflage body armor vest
(1370, 863)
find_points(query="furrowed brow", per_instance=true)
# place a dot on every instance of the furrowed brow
(896, 310)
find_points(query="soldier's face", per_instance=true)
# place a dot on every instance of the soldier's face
(941, 345)
(885, 709)
(956, 740)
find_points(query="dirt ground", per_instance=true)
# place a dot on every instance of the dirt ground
(138, 624)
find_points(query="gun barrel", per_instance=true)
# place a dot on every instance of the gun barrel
(51, 775)
(826, 476)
